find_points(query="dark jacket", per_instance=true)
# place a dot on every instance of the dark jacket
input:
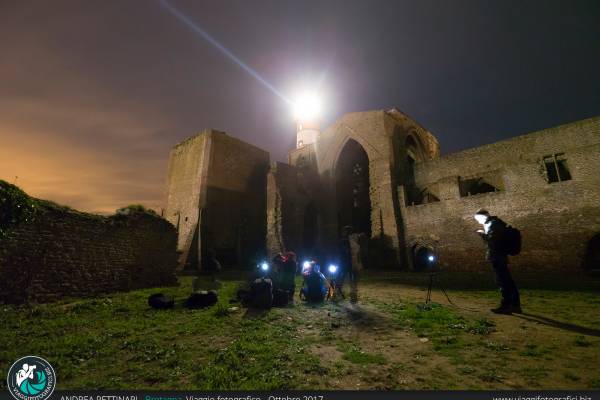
(288, 275)
(495, 239)
(315, 287)
(345, 255)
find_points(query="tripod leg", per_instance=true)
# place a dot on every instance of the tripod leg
(428, 299)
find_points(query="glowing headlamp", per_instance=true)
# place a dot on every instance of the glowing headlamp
(264, 266)
(431, 258)
(333, 268)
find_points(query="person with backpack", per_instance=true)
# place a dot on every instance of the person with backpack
(315, 286)
(502, 240)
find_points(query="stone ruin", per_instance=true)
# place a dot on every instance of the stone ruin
(382, 173)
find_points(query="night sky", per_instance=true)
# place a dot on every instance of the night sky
(93, 94)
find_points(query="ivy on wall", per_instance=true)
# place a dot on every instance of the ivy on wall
(16, 207)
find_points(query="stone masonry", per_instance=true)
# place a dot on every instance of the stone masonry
(382, 172)
(65, 253)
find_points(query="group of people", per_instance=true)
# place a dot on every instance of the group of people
(318, 286)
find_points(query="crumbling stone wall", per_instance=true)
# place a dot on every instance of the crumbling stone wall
(188, 166)
(287, 201)
(216, 196)
(557, 220)
(65, 253)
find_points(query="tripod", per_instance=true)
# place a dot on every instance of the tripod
(430, 287)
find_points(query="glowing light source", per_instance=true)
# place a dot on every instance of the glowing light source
(264, 266)
(431, 258)
(333, 269)
(307, 106)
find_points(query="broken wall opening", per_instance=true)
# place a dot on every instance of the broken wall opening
(485, 183)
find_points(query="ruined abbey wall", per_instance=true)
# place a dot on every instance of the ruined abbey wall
(216, 197)
(557, 219)
(236, 204)
(65, 253)
(188, 165)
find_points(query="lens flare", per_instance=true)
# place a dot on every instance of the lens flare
(197, 29)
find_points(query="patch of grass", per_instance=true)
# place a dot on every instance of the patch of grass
(532, 350)
(581, 341)
(482, 326)
(496, 346)
(357, 356)
(572, 376)
(117, 336)
(492, 375)
(466, 369)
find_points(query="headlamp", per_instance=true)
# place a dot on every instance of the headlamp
(333, 268)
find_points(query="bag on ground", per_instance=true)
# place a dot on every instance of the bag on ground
(280, 298)
(160, 301)
(261, 293)
(202, 299)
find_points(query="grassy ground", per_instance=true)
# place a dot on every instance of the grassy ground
(389, 340)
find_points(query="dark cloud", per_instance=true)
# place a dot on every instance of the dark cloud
(93, 94)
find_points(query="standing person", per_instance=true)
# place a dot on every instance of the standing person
(288, 274)
(345, 259)
(493, 233)
(356, 267)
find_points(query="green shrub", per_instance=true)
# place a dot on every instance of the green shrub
(16, 207)
(135, 209)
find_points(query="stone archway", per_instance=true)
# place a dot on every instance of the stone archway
(353, 188)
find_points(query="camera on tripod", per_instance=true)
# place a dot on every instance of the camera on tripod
(425, 260)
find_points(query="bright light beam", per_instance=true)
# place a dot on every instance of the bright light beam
(197, 29)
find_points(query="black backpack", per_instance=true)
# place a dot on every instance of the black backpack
(202, 299)
(261, 294)
(512, 240)
(159, 301)
(281, 298)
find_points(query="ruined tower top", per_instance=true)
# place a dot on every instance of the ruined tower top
(307, 132)
(306, 113)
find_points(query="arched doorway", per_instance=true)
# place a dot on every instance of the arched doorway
(352, 188)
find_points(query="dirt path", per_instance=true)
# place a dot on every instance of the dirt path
(522, 351)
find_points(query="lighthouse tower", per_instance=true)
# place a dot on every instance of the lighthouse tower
(307, 132)
(307, 109)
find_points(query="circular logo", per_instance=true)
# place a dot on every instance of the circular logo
(31, 378)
